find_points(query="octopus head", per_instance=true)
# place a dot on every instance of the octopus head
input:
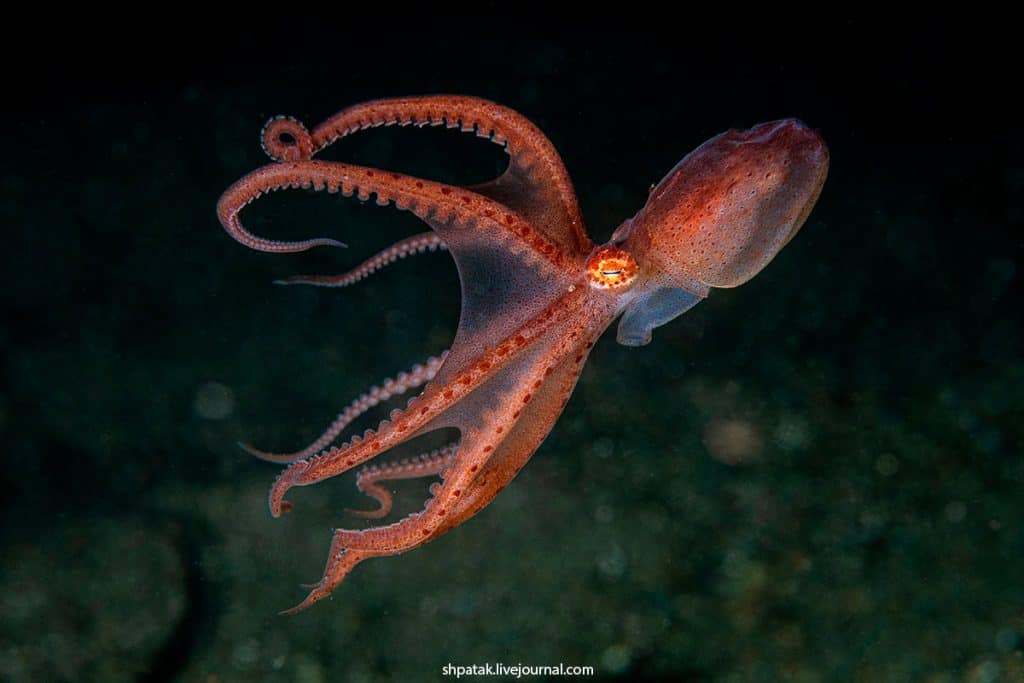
(718, 218)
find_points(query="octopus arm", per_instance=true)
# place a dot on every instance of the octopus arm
(535, 184)
(418, 375)
(429, 410)
(417, 244)
(502, 423)
(523, 439)
(508, 269)
(651, 309)
(423, 465)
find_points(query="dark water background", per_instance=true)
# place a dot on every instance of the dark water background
(814, 477)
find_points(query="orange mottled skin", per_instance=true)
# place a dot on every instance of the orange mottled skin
(537, 293)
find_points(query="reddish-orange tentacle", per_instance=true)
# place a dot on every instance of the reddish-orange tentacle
(472, 458)
(417, 376)
(250, 188)
(423, 465)
(429, 200)
(284, 138)
(417, 244)
(517, 448)
(546, 190)
(457, 496)
(339, 563)
(421, 410)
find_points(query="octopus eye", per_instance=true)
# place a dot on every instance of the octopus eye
(610, 267)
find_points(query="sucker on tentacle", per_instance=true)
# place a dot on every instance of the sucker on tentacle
(423, 465)
(417, 244)
(418, 375)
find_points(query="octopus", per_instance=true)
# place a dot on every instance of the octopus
(536, 291)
